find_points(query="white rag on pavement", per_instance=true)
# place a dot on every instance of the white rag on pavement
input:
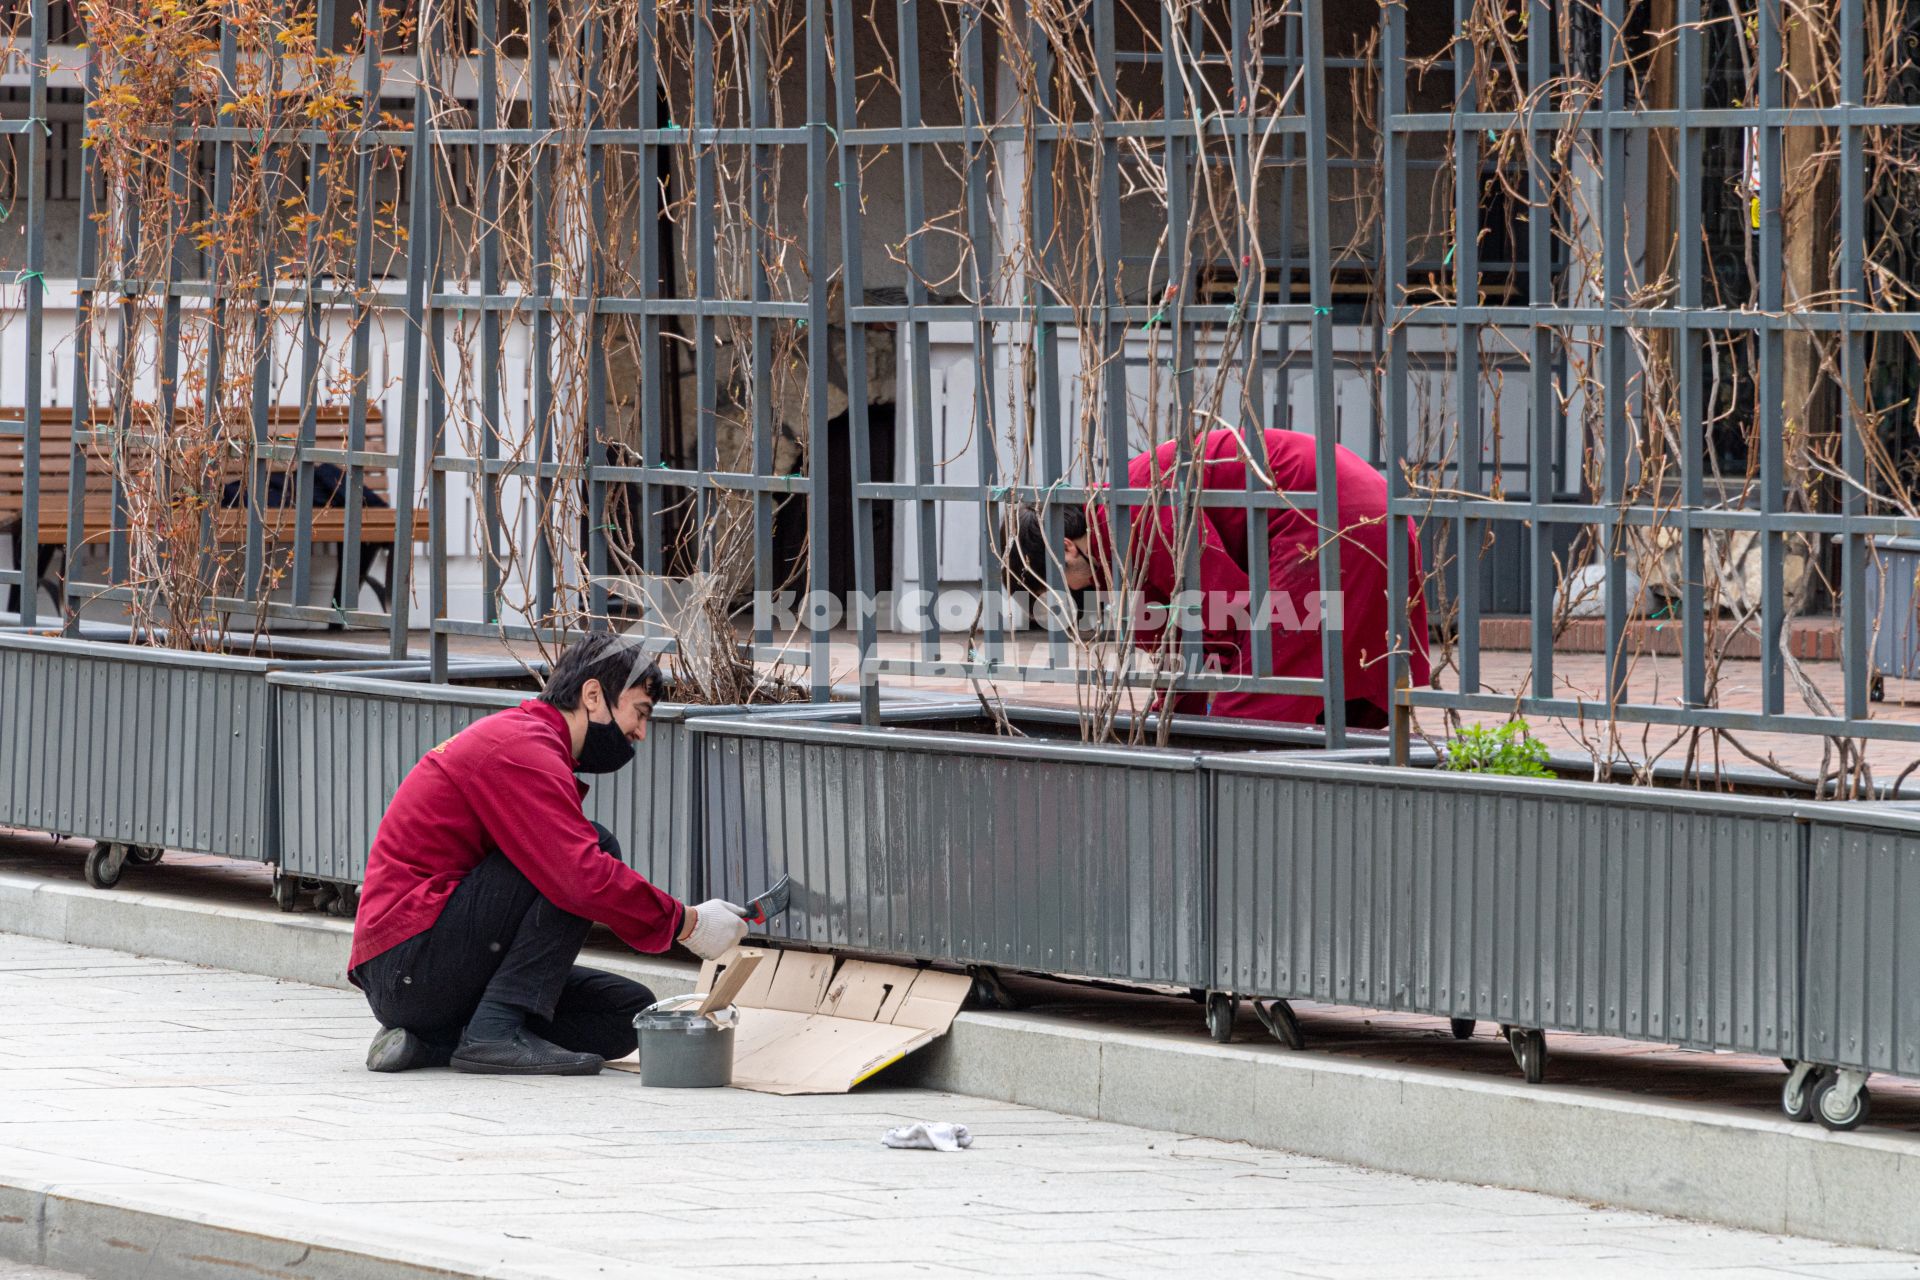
(929, 1135)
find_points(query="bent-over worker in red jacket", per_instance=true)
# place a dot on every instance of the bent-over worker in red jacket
(486, 874)
(1156, 551)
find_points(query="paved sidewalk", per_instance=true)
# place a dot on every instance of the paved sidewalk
(162, 1084)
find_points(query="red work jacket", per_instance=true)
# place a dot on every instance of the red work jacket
(506, 784)
(1293, 571)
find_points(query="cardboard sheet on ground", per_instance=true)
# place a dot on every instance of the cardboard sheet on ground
(812, 1023)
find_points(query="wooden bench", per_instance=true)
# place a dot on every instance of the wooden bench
(379, 524)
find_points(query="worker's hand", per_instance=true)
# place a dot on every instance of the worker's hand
(715, 927)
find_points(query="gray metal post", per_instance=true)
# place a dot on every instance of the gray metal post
(407, 441)
(1466, 337)
(706, 282)
(540, 405)
(1770, 407)
(88, 263)
(1856, 417)
(1252, 302)
(598, 521)
(310, 305)
(1615, 370)
(760, 379)
(1393, 394)
(846, 112)
(1690, 369)
(913, 190)
(486, 184)
(980, 286)
(819, 453)
(360, 346)
(652, 366)
(1326, 425)
(34, 284)
(1543, 403)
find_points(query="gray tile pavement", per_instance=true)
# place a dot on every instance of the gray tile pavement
(192, 1085)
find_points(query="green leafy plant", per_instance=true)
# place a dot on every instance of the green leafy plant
(1511, 750)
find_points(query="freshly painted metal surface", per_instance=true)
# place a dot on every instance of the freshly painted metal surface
(146, 746)
(1863, 937)
(1018, 853)
(1637, 912)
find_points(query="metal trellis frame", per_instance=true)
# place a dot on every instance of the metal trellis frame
(1235, 97)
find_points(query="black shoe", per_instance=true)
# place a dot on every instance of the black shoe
(397, 1049)
(524, 1055)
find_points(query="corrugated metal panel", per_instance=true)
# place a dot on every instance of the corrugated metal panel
(1579, 908)
(150, 747)
(348, 741)
(1044, 856)
(649, 808)
(1863, 944)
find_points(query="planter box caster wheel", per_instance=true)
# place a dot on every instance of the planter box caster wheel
(1529, 1047)
(1462, 1028)
(104, 864)
(286, 891)
(1222, 1008)
(1277, 1016)
(345, 901)
(145, 855)
(989, 992)
(1796, 1095)
(1877, 691)
(1840, 1100)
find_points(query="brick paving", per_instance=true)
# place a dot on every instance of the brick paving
(1810, 639)
(1654, 679)
(1658, 680)
(175, 1083)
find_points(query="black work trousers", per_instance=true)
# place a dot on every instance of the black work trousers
(499, 938)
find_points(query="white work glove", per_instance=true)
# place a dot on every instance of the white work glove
(929, 1135)
(718, 927)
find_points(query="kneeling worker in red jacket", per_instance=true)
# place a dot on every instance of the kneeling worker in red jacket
(485, 876)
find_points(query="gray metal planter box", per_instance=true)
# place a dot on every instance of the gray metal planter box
(1863, 937)
(1638, 912)
(1046, 856)
(140, 745)
(347, 741)
(345, 744)
(1893, 609)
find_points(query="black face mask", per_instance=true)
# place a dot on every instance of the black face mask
(605, 748)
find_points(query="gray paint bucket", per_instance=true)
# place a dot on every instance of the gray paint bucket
(681, 1049)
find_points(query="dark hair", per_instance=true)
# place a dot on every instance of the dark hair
(617, 662)
(1029, 550)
